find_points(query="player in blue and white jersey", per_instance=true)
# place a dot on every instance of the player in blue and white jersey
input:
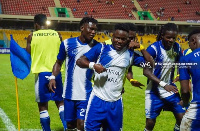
(110, 63)
(162, 93)
(191, 119)
(77, 86)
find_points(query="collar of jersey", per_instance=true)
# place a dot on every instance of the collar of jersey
(81, 42)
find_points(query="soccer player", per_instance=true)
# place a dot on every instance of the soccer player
(77, 86)
(162, 93)
(132, 36)
(191, 119)
(43, 45)
(110, 63)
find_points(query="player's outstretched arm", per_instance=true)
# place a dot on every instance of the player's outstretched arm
(83, 62)
(148, 73)
(56, 70)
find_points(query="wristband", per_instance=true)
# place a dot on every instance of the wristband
(132, 80)
(176, 76)
(52, 77)
(162, 84)
(141, 47)
(91, 65)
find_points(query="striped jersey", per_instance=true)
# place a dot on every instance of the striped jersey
(165, 61)
(190, 66)
(77, 84)
(108, 85)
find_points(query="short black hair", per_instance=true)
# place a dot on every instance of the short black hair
(121, 26)
(196, 31)
(131, 26)
(87, 20)
(166, 27)
(40, 19)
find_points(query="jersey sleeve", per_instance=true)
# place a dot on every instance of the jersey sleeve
(138, 59)
(94, 53)
(151, 51)
(183, 70)
(62, 52)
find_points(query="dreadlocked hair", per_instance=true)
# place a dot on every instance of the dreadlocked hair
(166, 27)
(87, 20)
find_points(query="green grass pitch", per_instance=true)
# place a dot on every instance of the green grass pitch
(133, 98)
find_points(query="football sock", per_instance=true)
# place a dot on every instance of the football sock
(45, 120)
(176, 127)
(61, 113)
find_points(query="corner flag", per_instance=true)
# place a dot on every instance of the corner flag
(20, 60)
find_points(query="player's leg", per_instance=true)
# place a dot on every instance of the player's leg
(178, 111)
(95, 114)
(60, 106)
(81, 107)
(42, 97)
(70, 114)
(57, 97)
(44, 116)
(153, 107)
(114, 117)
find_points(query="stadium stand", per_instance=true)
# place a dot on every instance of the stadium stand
(26, 7)
(110, 10)
(186, 11)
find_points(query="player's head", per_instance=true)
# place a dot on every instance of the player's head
(39, 21)
(194, 39)
(168, 34)
(88, 27)
(120, 36)
(132, 31)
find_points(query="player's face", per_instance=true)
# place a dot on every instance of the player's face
(194, 41)
(169, 39)
(120, 39)
(132, 35)
(88, 31)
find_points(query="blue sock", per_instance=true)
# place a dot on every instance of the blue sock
(176, 127)
(45, 120)
(61, 113)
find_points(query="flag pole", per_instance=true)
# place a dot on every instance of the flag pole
(17, 98)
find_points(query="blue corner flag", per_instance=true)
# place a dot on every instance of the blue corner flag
(20, 60)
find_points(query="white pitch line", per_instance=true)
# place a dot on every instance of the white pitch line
(7, 121)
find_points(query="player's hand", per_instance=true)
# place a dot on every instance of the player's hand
(52, 85)
(137, 84)
(99, 68)
(170, 88)
(134, 45)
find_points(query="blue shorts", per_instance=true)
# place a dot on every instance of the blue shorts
(74, 109)
(154, 105)
(42, 92)
(103, 113)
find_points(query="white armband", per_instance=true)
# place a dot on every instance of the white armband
(162, 83)
(52, 77)
(91, 65)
